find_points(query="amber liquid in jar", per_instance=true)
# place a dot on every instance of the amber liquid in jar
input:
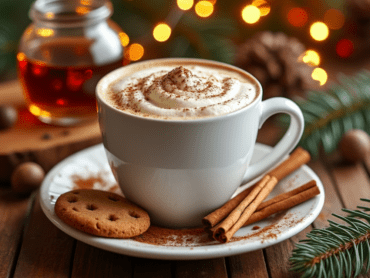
(65, 91)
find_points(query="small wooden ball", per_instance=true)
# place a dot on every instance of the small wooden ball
(27, 177)
(8, 116)
(355, 145)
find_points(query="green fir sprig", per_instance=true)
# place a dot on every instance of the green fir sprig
(336, 251)
(328, 114)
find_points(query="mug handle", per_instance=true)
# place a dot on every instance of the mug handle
(287, 143)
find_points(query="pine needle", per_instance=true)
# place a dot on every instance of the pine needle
(330, 113)
(338, 250)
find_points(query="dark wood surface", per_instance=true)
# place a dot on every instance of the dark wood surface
(31, 246)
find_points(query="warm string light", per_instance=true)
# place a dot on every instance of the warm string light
(185, 4)
(334, 19)
(204, 8)
(320, 75)
(263, 6)
(344, 48)
(319, 31)
(251, 14)
(298, 17)
(162, 32)
(134, 52)
(124, 38)
(310, 57)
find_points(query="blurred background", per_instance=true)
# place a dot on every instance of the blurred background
(226, 31)
(295, 48)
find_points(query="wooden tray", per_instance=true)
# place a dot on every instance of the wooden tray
(31, 140)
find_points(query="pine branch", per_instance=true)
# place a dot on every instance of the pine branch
(336, 251)
(329, 114)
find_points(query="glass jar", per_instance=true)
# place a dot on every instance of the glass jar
(62, 55)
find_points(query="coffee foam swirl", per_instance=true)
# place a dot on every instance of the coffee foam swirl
(167, 92)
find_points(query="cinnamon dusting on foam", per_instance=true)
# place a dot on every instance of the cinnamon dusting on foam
(180, 93)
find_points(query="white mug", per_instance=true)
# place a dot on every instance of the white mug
(181, 170)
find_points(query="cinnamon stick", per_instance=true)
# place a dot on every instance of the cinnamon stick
(287, 195)
(229, 226)
(280, 203)
(216, 216)
(237, 212)
(295, 160)
(284, 204)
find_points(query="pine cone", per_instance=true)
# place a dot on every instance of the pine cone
(274, 59)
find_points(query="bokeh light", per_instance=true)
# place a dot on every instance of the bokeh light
(204, 8)
(320, 75)
(251, 14)
(86, 2)
(38, 112)
(124, 38)
(22, 62)
(82, 10)
(334, 19)
(45, 32)
(50, 15)
(134, 52)
(319, 31)
(297, 17)
(263, 6)
(185, 4)
(344, 48)
(311, 57)
(162, 32)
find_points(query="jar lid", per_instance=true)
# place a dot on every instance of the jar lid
(70, 13)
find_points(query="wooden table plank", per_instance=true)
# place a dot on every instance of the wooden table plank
(353, 183)
(332, 202)
(277, 256)
(46, 251)
(13, 210)
(152, 268)
(251, 265)
(93, 262)
(214, 268)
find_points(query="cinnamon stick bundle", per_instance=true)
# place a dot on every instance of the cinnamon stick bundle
(284, 201)
(280, 203)
(226, 229)
(232, 216)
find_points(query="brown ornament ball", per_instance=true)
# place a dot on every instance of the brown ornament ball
(27, 177)
(355, 145)
(8, 116)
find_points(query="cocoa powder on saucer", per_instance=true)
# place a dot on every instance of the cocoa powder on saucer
(191, 237)
(92, 181)
(175, 237)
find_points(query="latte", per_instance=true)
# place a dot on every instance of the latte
(180, 91)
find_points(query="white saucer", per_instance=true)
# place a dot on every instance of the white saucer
(93, 160)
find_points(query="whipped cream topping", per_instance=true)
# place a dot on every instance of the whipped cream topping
(172, 93)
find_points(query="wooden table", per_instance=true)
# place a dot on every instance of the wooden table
(31, 246)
